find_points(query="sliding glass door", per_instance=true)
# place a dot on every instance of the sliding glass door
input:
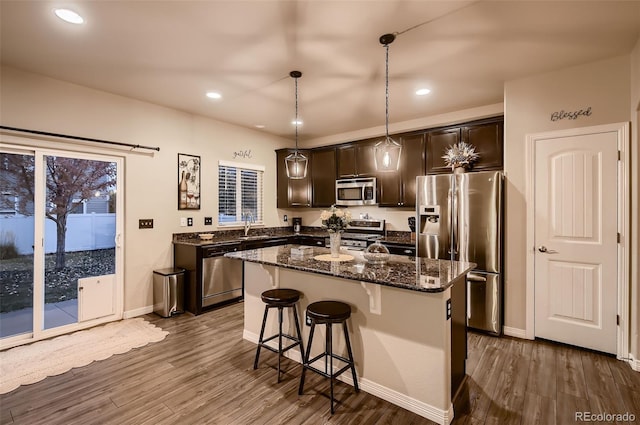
(16, 243)
(60, 233)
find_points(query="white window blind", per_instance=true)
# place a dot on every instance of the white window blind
(240, 192)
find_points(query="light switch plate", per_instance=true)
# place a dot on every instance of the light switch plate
(208, 221)
(189, 221)
(145, 223)
(286, 218)
(183, 221)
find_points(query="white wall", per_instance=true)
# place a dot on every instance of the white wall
(529, 102)
(634, 108)
(35, 102)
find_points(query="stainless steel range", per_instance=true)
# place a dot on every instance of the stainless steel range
(360, 233)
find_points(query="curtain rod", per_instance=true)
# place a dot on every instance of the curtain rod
(85, 139)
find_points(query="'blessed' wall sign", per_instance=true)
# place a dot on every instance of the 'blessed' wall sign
(571, 115)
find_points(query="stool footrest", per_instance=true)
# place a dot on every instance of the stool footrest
(328, 375)
(275, 350)
(292, 338)
(319, 356)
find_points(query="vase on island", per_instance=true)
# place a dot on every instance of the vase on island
(334, 243)
(459, 170)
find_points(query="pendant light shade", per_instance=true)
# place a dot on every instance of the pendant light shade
(387, 152)
(296, 163)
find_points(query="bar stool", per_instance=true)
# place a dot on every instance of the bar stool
(328, 313)
(279, 298)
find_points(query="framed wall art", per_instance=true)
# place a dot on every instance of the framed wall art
(188, 182)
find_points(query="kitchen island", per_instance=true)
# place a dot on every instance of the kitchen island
(408, 322)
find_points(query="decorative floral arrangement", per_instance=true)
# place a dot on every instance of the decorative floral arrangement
(461, 154)
(335, 220)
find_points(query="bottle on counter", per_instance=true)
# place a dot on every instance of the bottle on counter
(183, 191)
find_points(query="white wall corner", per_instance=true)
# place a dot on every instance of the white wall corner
(138, 312)
(634, 363)
(515, 332)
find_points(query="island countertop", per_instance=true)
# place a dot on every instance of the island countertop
(411, 273)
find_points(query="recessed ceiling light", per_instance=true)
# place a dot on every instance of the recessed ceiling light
(294, 122)
(214, 95)
(259, 126)
(69, 16)
(423, 92)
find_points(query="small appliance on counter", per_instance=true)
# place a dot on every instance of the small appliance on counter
(297, 224)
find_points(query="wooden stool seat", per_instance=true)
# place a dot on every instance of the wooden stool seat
(328, 313)
(283, 297)
(279, 298)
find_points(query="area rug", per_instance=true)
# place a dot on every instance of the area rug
(32, 363)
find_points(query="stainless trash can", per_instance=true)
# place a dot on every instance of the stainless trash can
(168, 291)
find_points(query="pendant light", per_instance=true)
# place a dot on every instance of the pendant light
(296, 163)
(387, 152)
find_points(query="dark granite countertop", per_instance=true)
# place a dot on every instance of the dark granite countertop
(416, 274)
(255, 234)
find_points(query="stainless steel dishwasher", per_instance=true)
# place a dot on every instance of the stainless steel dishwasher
(221, 277)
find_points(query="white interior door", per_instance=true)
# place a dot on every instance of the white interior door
(576, 255)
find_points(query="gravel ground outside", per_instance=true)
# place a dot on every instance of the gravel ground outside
(16, 277)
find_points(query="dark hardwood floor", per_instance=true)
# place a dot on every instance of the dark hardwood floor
(202, 373)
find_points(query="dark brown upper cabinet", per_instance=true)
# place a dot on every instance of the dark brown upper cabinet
(323, 177)
(398, 189)
(356, 159)
(437, 143)
(486, 136)
(292, 192)
(488, 139)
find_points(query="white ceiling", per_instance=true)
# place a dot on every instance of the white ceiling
(172, 52)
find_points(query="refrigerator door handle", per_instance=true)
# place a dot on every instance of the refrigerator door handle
(473, 277)
(454, 219)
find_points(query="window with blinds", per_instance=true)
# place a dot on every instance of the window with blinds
(240, 192)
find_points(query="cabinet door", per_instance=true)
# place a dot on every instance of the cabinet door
(365, 159)
(437, 143)
(323, 177)
(346, 156)
(291, 192)
(389, 189)
(356, 159)
(412, 165)
(488, 140)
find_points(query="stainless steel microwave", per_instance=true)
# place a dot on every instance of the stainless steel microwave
(356, 191)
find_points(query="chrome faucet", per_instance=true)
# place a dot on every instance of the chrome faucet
(248, 219)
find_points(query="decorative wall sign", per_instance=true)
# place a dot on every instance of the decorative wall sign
(561, 115)
(188, 182)
(242, 154)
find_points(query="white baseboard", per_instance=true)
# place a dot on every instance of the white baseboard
(634, 363)
(514, 332)
(138, 312)
(420, 408)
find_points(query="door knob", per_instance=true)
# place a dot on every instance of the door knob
(544, 249)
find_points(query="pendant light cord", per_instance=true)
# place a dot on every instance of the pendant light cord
(386, 84)
(296, 80)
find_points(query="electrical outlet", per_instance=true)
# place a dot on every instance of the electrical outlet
(145, 223)
(208, 221)
(286, 218)
(190, 221)
(183, 221)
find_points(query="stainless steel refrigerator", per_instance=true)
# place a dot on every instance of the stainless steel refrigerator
(459, 217)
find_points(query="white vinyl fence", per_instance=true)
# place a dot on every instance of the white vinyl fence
(84, 232)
